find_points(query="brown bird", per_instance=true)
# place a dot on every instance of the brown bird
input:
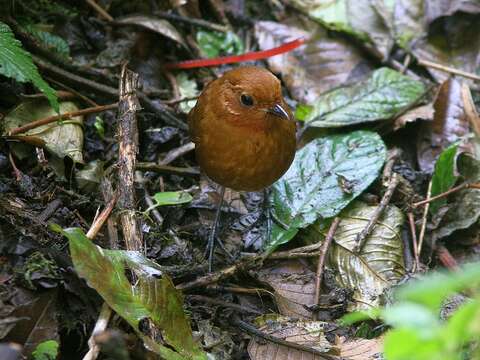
(244, 132)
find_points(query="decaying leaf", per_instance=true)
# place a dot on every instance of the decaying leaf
(356, 17)
(448, 126)
(160, 26)
(324, 63)
(63, 138)
(150, 298)
(303, 332)
(37, 319)
(424, 112)
(294, 286)
(326, 175)
(380, 263)
(383, 95)
(360, 349)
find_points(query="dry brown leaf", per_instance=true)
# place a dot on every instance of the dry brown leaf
(424, 112)
(470, 109)
(360, 349)
(321, 65)
(306, 333)
(449, 124)
(294, 285)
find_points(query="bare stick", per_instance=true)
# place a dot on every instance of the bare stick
(413, 231)
(100, 326)
(167, 169)
(127, 153)
(446, 193)
(219, 302)
(362, 236)
(424, 220)
(448, 69)
(101, 11)
(196, 22)
(446, 258)
(321, 259)
(50, 119)
(176, 153)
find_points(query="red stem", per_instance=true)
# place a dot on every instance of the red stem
(254, 55)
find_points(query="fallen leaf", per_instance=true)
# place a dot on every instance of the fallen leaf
(382, 96)
(326, 175)
(323, 63)
(424, 112)
(160, 26)
(306, 333)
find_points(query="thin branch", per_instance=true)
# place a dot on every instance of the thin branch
(448, 69)
(424, 220)
(50, 119)
(167, 169)
(323, 254)
(446, 193)
(362, 236)
(176, 153)
(101, 11)
(196, 22)
(413, 231)
(219, 302)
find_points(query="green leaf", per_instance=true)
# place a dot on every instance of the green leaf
(214, 44)
(382, 96)
(50, 41)
(303, 111)
(17, 63)
(462, 326)
(326, 175)
(170, 198)
(432, 290)
(150, 298)
(187, 89)
(444, 176)
(47, 350)
(408, 344)
(414, 316)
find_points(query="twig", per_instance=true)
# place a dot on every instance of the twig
(413, 231)
(254, 332)
(72, 90)
(163, 111)
(362, 236)
(470, 109)
(64, 116)
(101, 11)
(446, 258)
(448, 69)
(167, 169)
(446, 193)
(100, 326)
(321, 259)
(175, 153)
(424, 220)
(100, 219)
(230, 305)
(179, 100)
(196, 22)
(127, 152)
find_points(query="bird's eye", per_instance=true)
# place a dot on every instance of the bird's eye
(246, 100)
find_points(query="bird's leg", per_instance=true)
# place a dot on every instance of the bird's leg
(213, 231)
(268, 214)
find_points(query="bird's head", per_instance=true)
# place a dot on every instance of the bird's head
(253, 97)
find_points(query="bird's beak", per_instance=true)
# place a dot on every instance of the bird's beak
(279, 111)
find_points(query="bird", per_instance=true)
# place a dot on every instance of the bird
(244, 133)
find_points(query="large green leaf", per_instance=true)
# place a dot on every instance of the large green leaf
(326, 175)
(382, 96)
(150, 298)
(17, 63)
